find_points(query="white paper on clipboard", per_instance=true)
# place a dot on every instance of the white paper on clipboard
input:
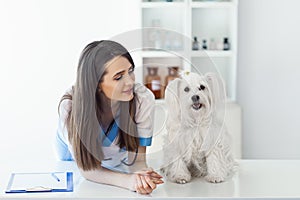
(31, 182)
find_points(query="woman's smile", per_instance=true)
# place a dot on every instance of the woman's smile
(128, 92)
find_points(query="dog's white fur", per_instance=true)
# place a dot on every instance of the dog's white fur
(197, 143)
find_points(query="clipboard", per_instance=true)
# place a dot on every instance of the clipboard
(40, 182)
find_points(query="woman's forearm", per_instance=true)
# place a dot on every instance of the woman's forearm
(109, 177)
(139, 159)
(137, 166)
(128, 181)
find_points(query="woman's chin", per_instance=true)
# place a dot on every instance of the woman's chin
(127, 97)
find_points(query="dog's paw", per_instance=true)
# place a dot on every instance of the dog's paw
(214, 179)
(181, 181)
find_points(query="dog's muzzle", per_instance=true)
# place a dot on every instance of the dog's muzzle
(197, 106)
(196, 102)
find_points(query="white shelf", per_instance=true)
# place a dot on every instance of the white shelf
(206, 20)
(213, 4)
(161, 54)
(162, 4)
(211, 53)
(198, 53)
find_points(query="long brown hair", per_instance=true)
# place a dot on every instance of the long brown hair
(85, 110)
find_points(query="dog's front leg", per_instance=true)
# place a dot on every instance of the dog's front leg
(178, 172)
(216, 166)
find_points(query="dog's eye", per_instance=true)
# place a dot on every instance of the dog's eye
(202, 87)
(186, 89)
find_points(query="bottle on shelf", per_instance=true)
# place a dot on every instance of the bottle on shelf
(212, 44)
(204, 45)
(226, 44)
(153, 82)
(195, 45)
(220, 45)
(172, 74)
(167, 42)
(155, 35)
(177, 43)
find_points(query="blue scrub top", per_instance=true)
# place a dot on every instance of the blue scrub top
(108, 141)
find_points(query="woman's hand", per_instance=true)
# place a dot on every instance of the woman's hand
(145, 181)
(154, 176)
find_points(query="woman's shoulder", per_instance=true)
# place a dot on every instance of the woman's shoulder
(144, 113)
(65, 103)
(143, 94)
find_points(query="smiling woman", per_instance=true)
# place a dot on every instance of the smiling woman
(106, 120)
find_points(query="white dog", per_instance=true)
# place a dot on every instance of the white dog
(197, 143)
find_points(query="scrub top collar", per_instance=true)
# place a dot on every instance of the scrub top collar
(111, 135)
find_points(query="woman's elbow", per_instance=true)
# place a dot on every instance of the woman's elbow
(88, 175)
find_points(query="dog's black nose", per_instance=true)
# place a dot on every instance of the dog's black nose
(195, 98)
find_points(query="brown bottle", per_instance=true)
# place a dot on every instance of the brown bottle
(153, 82)
(172, 74)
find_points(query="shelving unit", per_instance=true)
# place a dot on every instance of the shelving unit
(162, 4)
(178, 23)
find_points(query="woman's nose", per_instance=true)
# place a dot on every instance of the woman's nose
(129, 80)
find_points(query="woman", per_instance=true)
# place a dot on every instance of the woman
(106, 120)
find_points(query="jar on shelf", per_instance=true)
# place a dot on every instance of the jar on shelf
(153, 82)
(172, 74)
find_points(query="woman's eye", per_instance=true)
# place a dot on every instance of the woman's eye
(202, 87)
(118, 77)
(131, 70)
(186, 89)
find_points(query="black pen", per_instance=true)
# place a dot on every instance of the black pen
(54, 176)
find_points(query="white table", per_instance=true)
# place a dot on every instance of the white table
(254, 179)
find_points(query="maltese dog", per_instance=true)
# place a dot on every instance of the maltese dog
(197, 143)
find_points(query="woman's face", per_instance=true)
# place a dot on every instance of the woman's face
(119, 79)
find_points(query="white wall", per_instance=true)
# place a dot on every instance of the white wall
(40, 43)
(268, 77)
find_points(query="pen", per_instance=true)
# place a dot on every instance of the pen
(54, 176)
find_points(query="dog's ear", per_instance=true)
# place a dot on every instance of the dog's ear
(218, 100)
(217, 91)
(173, 104)
(172, 97)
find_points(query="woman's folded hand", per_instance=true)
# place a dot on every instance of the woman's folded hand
(145, 181)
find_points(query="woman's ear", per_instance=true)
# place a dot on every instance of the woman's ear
(99, 88)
